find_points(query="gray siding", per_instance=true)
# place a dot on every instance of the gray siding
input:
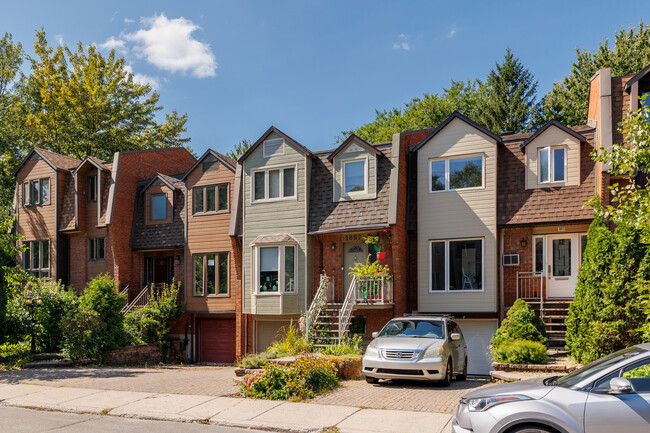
(457, 214)
(275, 217)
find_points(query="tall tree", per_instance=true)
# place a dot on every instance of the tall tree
(239, 149)
(510, 96)
(81, 103)
(568, 100)
(419, 113)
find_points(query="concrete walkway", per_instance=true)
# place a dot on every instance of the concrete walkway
(222, 411)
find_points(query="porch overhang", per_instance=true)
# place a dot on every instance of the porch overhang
(283, 238)
(348, 229)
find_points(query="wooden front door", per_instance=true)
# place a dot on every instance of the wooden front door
(217, 340)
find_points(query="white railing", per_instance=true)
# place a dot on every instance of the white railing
(346, 309)
(319, 301)
(530, 287)
(372, 289)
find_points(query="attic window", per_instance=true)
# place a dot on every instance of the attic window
(273, 147)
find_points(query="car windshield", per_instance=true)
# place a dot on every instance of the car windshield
(595, 367)
(414, 328)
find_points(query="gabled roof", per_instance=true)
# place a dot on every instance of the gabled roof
(172, 182)
(288, 139)
(555, 123)
(357, 140)
(636, 78)
(228, 162)
(456, 115)
(100, 164)
(54, 160)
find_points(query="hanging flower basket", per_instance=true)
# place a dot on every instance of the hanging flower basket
(381, 255)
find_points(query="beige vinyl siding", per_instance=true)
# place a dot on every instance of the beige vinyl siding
(457, 214)
(275, 217)
(371, 169)
(553, 136)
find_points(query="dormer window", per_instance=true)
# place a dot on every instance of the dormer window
(552, 164)
(158, 207)
(274, 184)
(92, 188)
(354, 176)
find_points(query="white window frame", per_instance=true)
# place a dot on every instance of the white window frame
(447, 189)
(266, 171)
(543, 238)
(365, 176)
(551, 165)
(281, 270)
(447, 241)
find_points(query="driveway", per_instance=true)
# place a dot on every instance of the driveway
(220, 382)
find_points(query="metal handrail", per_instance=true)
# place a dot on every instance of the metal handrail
(530, 286)
(124, 290)
(374, 289)
(317, 304)
(346, 309)
(141, 300)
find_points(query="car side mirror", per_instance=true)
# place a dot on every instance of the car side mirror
(375, 334)
(455, 336)
(620, 385)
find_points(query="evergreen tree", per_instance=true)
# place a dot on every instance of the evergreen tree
(510, 96)
(568, 101)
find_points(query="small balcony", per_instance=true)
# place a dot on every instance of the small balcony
(373, 290)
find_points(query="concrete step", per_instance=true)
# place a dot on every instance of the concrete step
(58, 363)
(46, 356)
(555, 332)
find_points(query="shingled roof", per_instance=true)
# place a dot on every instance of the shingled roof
(55, 160)
(516, 205)
(325, 215)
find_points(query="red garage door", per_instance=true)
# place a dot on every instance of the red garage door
(217, 340)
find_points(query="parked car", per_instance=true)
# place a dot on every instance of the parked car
(608, 395)
(419, 348)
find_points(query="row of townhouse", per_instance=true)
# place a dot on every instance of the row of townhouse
(477, 220)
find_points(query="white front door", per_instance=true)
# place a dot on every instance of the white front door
(562, 265)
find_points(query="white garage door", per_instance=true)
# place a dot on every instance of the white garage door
(477, 333)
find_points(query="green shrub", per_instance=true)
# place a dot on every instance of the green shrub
(293, 343)
(97, 326)
(14, 355)
(347, 346)
(18, 322)
(521, 323)
(56, 301)
(305, 378)
(150, 324)
(258, 360)
(520, 352)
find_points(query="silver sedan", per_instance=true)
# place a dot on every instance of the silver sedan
(418, 347)
(608, 395)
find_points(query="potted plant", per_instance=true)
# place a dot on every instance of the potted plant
(378, 242)
(370, 275)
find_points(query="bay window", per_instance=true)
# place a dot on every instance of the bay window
(456, 265)
(274, 184)
(456, 173)
(276, 269)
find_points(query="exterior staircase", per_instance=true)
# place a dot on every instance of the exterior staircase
(325, 330)
(554, 314)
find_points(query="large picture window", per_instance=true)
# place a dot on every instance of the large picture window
(36, 258)
(36, 192)
(210, 198)
(456, 173)
(456, 265)
(354, 176)
(211, 274)
(277, 269)
(552, 164)
(274, 184)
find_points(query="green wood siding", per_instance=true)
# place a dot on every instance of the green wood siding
(345, 155)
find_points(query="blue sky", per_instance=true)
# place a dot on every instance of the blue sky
(316, 67)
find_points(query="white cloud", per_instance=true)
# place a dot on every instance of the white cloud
(59, 39)
(114, 44)
(402, 43)
(452, 31)
(168, 44)
(128, 21)
(143, 79)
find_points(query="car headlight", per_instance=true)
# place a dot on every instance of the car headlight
(481, 404)
(372, 351)
(433, 352)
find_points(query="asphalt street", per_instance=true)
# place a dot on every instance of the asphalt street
(17, 420)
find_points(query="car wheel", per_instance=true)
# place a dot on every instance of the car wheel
(372, 380)
(448, 373)
(532, 428)
(463, 375)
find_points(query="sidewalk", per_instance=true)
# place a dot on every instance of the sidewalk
(223, 411)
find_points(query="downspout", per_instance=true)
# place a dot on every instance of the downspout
(501, 294)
